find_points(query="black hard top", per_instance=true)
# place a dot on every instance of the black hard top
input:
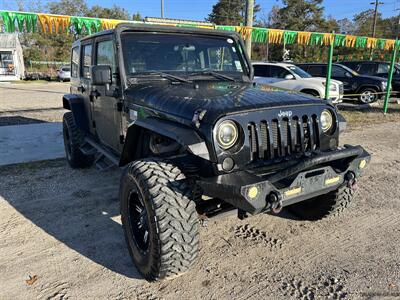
(145, 27)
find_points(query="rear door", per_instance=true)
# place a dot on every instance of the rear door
(105, 99)
(81, 61)
(367, 69)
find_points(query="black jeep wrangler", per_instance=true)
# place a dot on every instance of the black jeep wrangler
(177, 109)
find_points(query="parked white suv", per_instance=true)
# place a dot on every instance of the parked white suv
(291, 77)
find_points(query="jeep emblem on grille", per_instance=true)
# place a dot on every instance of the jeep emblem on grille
(286, 113)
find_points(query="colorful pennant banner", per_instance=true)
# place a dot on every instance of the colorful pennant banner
(53, 24)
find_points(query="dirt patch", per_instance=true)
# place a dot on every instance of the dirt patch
(63, 226)
(31, 103)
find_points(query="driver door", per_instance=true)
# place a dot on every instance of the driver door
(106, 113)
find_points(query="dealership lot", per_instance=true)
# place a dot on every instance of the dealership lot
(61, 235)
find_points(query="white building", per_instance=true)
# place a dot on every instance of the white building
(11, 58)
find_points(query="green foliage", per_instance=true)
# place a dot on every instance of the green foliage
(69, 7)
(229, 12)
(115, 12)
(56, 47)
(137, 17)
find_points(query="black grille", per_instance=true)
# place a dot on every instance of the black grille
(282, 137)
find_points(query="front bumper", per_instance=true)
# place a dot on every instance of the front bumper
(312, 176)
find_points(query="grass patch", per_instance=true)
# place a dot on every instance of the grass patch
(357, 117)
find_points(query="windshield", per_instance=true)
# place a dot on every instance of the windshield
(181, 54)
(299, 72)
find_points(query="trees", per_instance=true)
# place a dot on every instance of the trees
(229, 12)
(56, 47)
(115, 12)
(305, 15)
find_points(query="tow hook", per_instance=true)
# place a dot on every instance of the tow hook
(275, 200)
(351, 180)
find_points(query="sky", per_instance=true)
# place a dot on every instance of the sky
(199, 9)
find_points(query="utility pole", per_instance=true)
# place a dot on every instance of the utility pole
(398, 23)
(162, 9)
(376, 3)
(249, 23)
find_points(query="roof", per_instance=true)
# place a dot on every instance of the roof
(162, 28)
(8, 40)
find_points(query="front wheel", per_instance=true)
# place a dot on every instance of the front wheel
(317, 208)
(368, 95)
(159, 219)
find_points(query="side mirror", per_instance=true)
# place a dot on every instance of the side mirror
(100, 75)
(348, 74)
(289, 77)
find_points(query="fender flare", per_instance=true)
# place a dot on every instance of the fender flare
(75, 103)
(367, 85)
(185, 136)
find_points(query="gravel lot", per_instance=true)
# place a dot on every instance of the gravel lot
(26, 103)
(61, 238)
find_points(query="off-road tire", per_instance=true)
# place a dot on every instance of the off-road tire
(362, 99)
(73, 140)
(173, 238)
(317, 208)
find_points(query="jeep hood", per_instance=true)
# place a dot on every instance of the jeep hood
(217, 98)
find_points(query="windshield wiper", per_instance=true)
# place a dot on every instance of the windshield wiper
(215, 74)
(166, 75)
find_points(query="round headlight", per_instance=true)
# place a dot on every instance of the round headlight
(227, 134)
(326, 120)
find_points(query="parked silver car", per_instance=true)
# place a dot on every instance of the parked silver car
(64, 73)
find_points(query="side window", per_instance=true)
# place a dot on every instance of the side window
(261, 70)
(338, 71)
(105, 54)
(75, 62)
(279, 72)
(383, 68)
(86, 60)
(367, 69)
(317, 71)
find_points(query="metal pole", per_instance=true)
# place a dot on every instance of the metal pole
(329, 70)
(162, 8)
(249, 23)
(388, 90)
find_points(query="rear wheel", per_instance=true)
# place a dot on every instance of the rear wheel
(73, 140)
(368, 95)
(159, 219)
(317, 208)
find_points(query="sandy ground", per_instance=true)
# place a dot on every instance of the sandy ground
(61, 228)
(26, 103)
(61, 238)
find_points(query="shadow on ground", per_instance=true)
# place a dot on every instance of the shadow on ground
(79, 208)
(18, 120)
